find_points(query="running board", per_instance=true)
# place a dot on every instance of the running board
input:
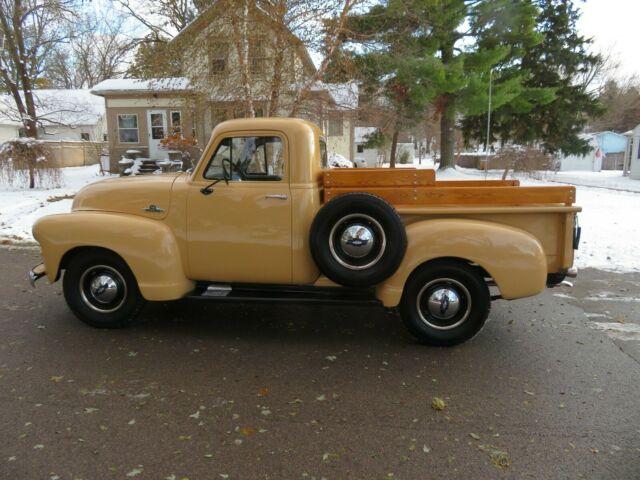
(283, 293)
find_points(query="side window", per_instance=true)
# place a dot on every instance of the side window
(323, 154)
(247, 158)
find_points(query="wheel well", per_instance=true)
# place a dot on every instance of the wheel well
(71, 254)
(448, 260)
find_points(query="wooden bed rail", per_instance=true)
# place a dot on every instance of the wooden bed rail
(418, 187)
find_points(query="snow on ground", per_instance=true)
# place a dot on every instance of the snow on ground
(610, 218)
(20, 208)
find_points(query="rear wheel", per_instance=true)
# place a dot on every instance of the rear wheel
(445, 303)
(101, 290)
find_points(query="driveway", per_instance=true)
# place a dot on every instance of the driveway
(214, 391)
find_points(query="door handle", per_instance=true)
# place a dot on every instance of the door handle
(277, 196)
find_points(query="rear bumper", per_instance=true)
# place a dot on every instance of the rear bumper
(36, 273)
(558, 279)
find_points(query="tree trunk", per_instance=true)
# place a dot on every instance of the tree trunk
(394, 148)
(333, 42)
(448, 133)
(278, 61)
(242, 47)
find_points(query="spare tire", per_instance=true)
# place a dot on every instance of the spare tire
(358, 239)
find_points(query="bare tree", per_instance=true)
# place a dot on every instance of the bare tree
(30, 31)
(97, 49)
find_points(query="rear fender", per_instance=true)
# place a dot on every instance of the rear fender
(147, 246)
(514, 258)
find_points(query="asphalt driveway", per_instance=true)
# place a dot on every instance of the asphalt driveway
(207, 391)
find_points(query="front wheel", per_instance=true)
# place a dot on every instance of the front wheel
(101, 290)
(445, 303)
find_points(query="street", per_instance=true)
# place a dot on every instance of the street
(200, 390)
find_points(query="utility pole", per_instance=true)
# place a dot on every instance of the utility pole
(486, 145)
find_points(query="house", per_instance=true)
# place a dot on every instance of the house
(632, 157)
(375, 157)
(606, 152)
(140, 113)
(67, 115)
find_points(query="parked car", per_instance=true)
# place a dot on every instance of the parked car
(262, 217)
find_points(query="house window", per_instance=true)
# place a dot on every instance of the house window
(335, 124)
(218, 55)
(259, 112)
(238, 113)
(128, 128)
(360, 148)
(104, 137)
(247, 158)
(84, 136)
(257, 57)
(219, 115)
(193, 124)
(176, 122)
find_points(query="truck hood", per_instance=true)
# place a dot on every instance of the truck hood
(133, 195)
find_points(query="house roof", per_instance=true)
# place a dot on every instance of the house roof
(202, 20)
(138, 85)
(56, 107)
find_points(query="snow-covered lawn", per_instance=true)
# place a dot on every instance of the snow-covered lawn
(20, 208)
(610, 219)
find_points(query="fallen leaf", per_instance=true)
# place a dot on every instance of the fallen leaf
(263, 392)
(321, 398)
(498, 457)
(195, 415)
(331, 358)
(475, 436)
(426, 449)
(135, 472)
(438, 404)
(56, 379)
(38, 447)
(529, 393)
(247, 431)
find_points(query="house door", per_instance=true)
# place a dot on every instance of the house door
(157, 124)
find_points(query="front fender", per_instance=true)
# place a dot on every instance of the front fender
(514, 258)
(147, 246)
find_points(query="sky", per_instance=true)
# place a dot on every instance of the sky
(613, 25)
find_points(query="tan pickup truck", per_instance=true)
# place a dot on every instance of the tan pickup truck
(261, 218)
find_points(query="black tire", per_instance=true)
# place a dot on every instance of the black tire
(452, 284)
(380, 233)
(101, 290)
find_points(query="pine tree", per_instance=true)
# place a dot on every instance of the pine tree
(557, 64)
(443, 51)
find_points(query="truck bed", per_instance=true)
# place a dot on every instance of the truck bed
(414, 187)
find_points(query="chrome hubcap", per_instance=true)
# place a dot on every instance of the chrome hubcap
(443, 304)
(357, 241)
(103, 288)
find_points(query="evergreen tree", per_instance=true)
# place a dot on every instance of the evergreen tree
(443, 51)
(557, 64)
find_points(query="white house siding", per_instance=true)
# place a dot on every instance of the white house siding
(634, 160)
(7, 132)
(341, 144)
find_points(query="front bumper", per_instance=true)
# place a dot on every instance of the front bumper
(36, 273)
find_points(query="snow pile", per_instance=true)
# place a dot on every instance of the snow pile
(19, 209)
(335, 160)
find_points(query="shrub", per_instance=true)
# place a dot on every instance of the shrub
(27, 162)
(404, 157)
(521, 159)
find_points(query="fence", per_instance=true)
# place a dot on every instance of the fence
(74, 153)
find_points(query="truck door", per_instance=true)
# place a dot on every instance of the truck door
(239, 213)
